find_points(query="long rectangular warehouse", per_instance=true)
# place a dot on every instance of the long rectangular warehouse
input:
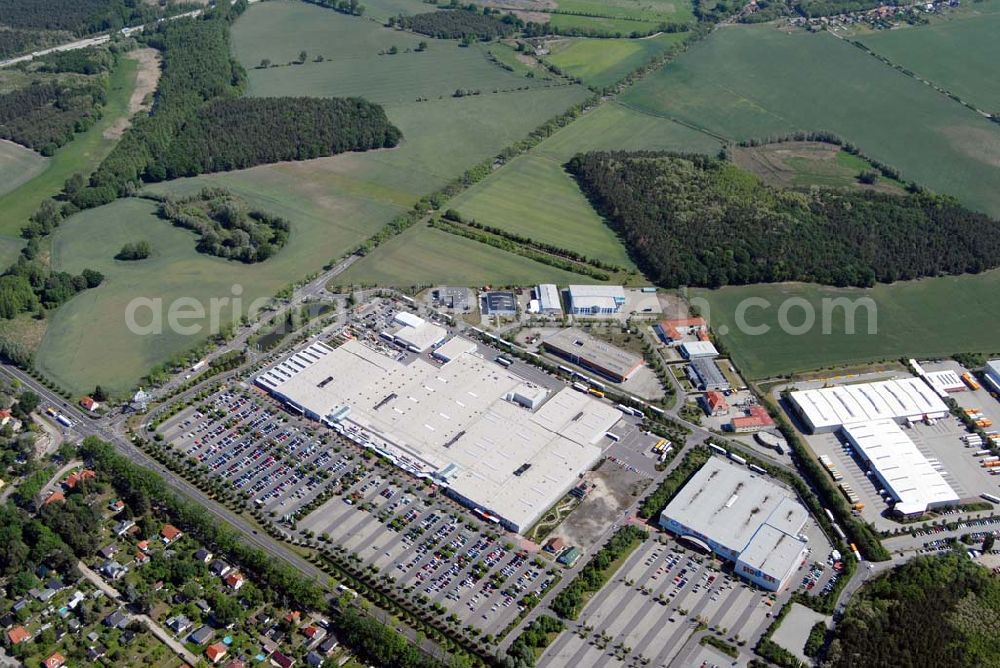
(496, 442)
(829, 408)
(593, 354)
(907, 475)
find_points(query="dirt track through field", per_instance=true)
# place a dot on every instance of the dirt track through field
(145, 83)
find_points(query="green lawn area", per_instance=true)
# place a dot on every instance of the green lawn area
(613, 127)
(18, 165)
(615, 26)
(80, 155)
(423, 256)
(602, 62)
(754, 81)
(958, 52)
(534, 197)
(88, 342)
(674, 11)
(925, 318)
(280, 29)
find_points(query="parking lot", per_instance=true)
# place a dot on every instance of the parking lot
(432, 550)
(654, 604)
(276, 462)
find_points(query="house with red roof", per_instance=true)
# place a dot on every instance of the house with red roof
(216, 652)
(234, 580)
(714, 403)
(90, 404)
(170, 533)
(53, 497)
(755, 420)
(56, 660)
(673, 331)
(18, 635)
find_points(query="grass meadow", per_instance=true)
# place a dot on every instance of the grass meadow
(426, 256)
(756, 81)
(18, 165)
(534, 197)
(620, 26)
(81, 155)
(279, 30)
(924, 318)
(603, 62)
(675, 11)
(958, 52)
(87, 340)
(332, 203)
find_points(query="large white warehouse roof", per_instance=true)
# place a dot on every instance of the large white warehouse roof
(907, 474)
(829, 408)
(452, 421)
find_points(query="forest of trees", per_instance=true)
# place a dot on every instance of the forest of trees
(51, 288)
(699, 221)
(199, 124)
(79, 61)
(81, 17)
(226, 227)
(461, 23)
(16, 41)
(46, 114)
(931, 611)
(229, 133)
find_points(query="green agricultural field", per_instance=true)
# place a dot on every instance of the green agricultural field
(80, 155)
(18, 165)
(614, 127)
(533, 196)
(602, 62)
(426, 256)
(958, 54)
(278, 31)
(757, 81)
(925, 318)
(613, 26)
(672, 11)
(88, 342)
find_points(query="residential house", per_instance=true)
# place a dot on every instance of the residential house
(116, 620)
(201, 636)
(96, 652)
(328, 646)
(112, 569)
(216, 652)
(54, 497)
(143, 545)
(714, 403)
(18, 635)
(313, 634)
(170, 533)
(122, 527)
(90, 404)
(179, 624)
(314, 659)
(55, 660)
(108, 551)
(116, 506)
(203, 555)
(234, 580)
(141, 558)
(279, 660)
(219, 568)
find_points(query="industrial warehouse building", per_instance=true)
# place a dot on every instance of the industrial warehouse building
(588, 352)
(903, 400)
(992, 374)
(705, 374)
(548, 299)
(906, 474)
(503, 446)
(500, 303)
(742, 517)
(414, 333)
(869, 415)
(596, 299)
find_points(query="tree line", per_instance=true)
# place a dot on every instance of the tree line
(81, 17)
(229, 134)
(695, 220)
(466, 22)
(568, 603)
(226, 227)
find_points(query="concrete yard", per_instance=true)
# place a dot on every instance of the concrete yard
(795, 627)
